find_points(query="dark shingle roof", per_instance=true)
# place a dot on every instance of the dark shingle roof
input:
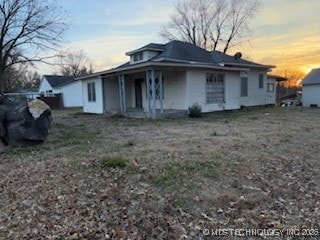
(59, 81)
(184, 51)
(312, 78)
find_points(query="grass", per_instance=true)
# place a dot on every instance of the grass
(177, 173)
(113, 161)
(163, 175)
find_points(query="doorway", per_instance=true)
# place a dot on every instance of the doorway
(138, 92)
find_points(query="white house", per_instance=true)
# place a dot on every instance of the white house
(311, 89)
(174, 76)
(67, 85)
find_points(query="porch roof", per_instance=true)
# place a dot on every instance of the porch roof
(127, 68)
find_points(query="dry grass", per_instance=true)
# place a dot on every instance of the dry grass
(99, 178)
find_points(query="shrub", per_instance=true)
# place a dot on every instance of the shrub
(113, 161)
(195, 111)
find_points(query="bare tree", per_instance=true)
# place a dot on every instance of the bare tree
(224, 22)
(27, 28)
(191, 22)
(18, 76)
(75, 64)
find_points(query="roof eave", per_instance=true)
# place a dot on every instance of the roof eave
(249, 65)
(162, 64)
(144, 49)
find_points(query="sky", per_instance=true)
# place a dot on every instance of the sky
(285, 33)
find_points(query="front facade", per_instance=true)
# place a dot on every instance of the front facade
(311, 89)
(70, 89)
(175, 76)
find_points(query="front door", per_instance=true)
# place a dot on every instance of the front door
(138, 93)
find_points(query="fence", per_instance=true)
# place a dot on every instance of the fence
(52, 99)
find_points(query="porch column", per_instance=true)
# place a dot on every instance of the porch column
(150, 93)
(161, 91)
(122, 93)
(154, 92)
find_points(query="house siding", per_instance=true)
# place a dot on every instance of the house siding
(45, 86)
(111, 95)
(97, 106)
(196, 91)
(271, 96)
(256, 96)
(72, 94)
(174, 89)
(311, 95)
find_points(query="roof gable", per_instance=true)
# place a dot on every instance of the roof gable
(59, 81)
(313, 78)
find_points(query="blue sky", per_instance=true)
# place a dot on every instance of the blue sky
(286, 33)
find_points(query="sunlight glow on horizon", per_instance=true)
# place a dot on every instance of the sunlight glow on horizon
(286, 33)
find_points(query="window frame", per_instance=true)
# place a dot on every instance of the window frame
(261, 80)
(91, 91)
(244, 94)
(268, 87)
(138, 57)
(215, 91)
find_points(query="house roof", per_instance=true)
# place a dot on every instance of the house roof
(278, 78)
(151, 46)
(183, 54)
(59, 81)
(313, 78)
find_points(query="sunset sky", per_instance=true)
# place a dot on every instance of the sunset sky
(286, 33)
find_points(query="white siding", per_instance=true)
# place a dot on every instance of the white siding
(256, 96)
(196, 91)
(175, 86)
(111, 94)
(97, 106)
(311, 95)
(174, 89)
(45, 86)
(71, 94)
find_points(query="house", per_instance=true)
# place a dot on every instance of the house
(311, 89)
(70, 89)
(174, 76)
(279, 88)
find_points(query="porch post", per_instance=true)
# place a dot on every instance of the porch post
(122, 93)
(161, 91)
(153, 86)
(151, 93)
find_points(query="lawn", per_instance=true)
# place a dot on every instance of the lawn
(98, 177)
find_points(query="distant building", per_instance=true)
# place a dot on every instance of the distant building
(311, 89)
(70, 89)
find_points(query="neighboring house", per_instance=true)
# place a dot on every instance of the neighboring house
(67, 85)
(278, 89)
(174, 76)
(311, 89)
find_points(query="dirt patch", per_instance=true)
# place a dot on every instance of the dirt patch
(252, 169)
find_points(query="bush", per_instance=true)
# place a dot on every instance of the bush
(113, 161)
(195, 111)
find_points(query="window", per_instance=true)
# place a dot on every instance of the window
(270, 87)
(215, 88)
(244, 87)
(138, 57)
(91, 92)
(261, 80)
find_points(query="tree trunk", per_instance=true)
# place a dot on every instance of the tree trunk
(24, 123)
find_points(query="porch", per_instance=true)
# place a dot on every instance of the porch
(141, 94)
